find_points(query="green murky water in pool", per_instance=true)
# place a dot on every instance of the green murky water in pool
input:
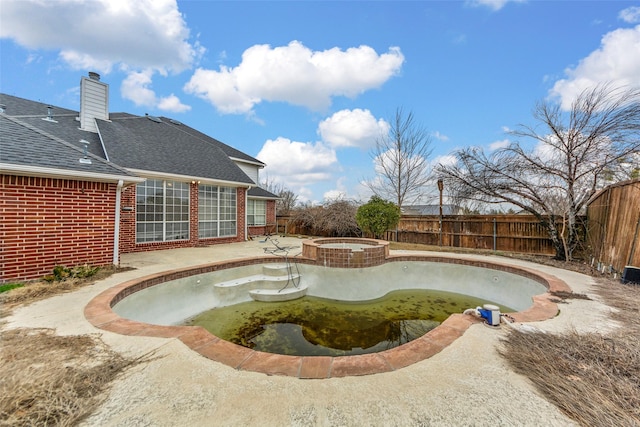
(312, 326)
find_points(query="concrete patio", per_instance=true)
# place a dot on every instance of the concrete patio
(467, 383)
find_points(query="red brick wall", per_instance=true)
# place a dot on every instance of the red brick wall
(48, 222)
(271, 212)
(128, 224)
(270, 227)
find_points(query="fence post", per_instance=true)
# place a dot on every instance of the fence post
(495, 234)
(440, 188)
(633, 245)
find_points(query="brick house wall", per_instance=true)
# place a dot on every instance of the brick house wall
(48, 222)
(128, 224)
(271, 226)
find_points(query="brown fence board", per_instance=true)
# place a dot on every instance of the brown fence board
(614, 226)
(506, 233)
(513, 233)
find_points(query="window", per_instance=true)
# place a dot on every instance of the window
(256, 212)
(162, 211)
(216, 211)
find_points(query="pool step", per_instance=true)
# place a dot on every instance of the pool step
(274, 295)
(276, 269)
(277, 283)
(263, 280)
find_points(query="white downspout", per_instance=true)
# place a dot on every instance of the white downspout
(246, 214)
(116, 233)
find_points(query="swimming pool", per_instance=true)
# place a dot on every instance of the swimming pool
(156, 304)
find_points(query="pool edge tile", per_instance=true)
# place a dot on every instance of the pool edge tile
(315, 367)
(272, 364)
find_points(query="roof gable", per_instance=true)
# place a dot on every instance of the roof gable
(145, 143)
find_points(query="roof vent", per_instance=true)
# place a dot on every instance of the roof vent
(153, 118)
(175, 122)
(94, 76)
(2, 108)
(49, 117)
(85, 160)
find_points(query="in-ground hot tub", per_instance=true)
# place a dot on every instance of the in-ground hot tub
(343, 252)
(155, 304)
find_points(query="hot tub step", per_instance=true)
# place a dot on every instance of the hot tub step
(272, 295)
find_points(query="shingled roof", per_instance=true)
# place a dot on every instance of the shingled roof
(24, 147)
(138, 143)
(156, 145)
(64, 124)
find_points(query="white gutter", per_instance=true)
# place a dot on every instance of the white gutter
(116, 232)
(256, 163)
(246, 214)
(188, 178)
(27, 170)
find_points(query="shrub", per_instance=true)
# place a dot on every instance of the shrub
(60, 273)
(378, 216)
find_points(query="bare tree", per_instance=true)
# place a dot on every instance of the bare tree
(401, 161)
(575, 154)
(338, 219)
(335, 218)
(287, 198)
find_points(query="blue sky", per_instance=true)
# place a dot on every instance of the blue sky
(305, 86)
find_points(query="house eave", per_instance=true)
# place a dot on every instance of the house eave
(263, 197)
(258, 163)
(44, 172)
(178, 177)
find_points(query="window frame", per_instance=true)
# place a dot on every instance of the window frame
(252, 214)
(161, 214)
(217, 211)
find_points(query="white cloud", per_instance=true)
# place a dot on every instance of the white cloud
(446, 160)
(630, 15)
(617, 60)
(459, 39)
(297, 164)
(294, 74)
(221, 90)
(172, 103)
(97, 34)
(352, 128)
(338, 193)
(499, 144)
(83, 61)
(334, 195)
(494, 5)
(136, 87)
(440, 137)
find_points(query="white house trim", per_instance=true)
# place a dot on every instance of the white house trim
(44, 172)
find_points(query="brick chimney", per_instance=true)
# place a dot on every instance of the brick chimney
(94, 101)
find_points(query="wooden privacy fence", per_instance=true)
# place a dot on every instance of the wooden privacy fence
(614, 226)
(507, 233)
